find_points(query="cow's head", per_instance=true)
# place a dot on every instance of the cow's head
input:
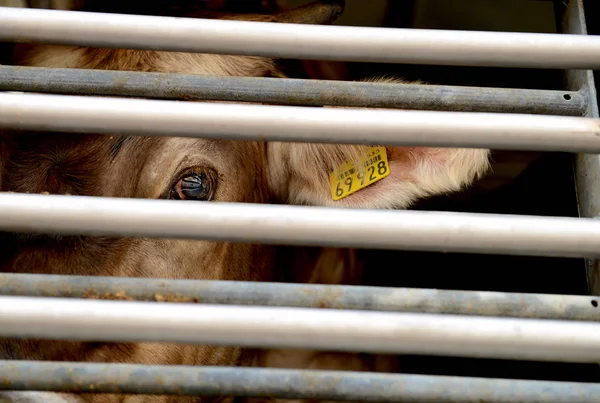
(189, 171)
(183, 169)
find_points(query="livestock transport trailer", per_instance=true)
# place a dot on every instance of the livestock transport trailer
(470, 342)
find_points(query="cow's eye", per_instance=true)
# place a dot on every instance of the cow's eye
(196, 186)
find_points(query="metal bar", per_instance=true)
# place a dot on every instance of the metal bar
(358, 44)
(86, 114)
(587, 166)
(301, 225)
(284, 383)
(541, 306)
(291, 91)
(302, 328)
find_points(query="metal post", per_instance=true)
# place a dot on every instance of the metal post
(587, 166)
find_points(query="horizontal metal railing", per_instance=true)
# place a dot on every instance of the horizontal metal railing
(286, 383)
(302, 328)
(301, 225)
(292, 91)
(484, 303)
(361, 44)
(87, 114)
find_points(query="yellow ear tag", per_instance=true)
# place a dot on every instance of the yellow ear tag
(346, 179)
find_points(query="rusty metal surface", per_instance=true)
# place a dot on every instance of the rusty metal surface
(542, 306)
(283, 383)
(292, 91)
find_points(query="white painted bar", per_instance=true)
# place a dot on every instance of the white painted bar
(302, 225)
(279, 327)
(360, 44)
(88, 114)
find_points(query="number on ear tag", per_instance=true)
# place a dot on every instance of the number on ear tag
(347, 179)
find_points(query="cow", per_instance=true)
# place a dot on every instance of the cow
(202, 171)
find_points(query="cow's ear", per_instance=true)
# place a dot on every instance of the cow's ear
(376, 177)
(323, 12)
(369, 177)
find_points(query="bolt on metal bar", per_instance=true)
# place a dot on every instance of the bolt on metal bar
(540, 306)
(283, 383)
(301, 225)
(291, 91)
(301, 328)
(87, 114)
(358, 44)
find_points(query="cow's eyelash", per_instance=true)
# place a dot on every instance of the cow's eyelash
(190, 171)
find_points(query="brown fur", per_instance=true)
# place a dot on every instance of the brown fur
(249, 172)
